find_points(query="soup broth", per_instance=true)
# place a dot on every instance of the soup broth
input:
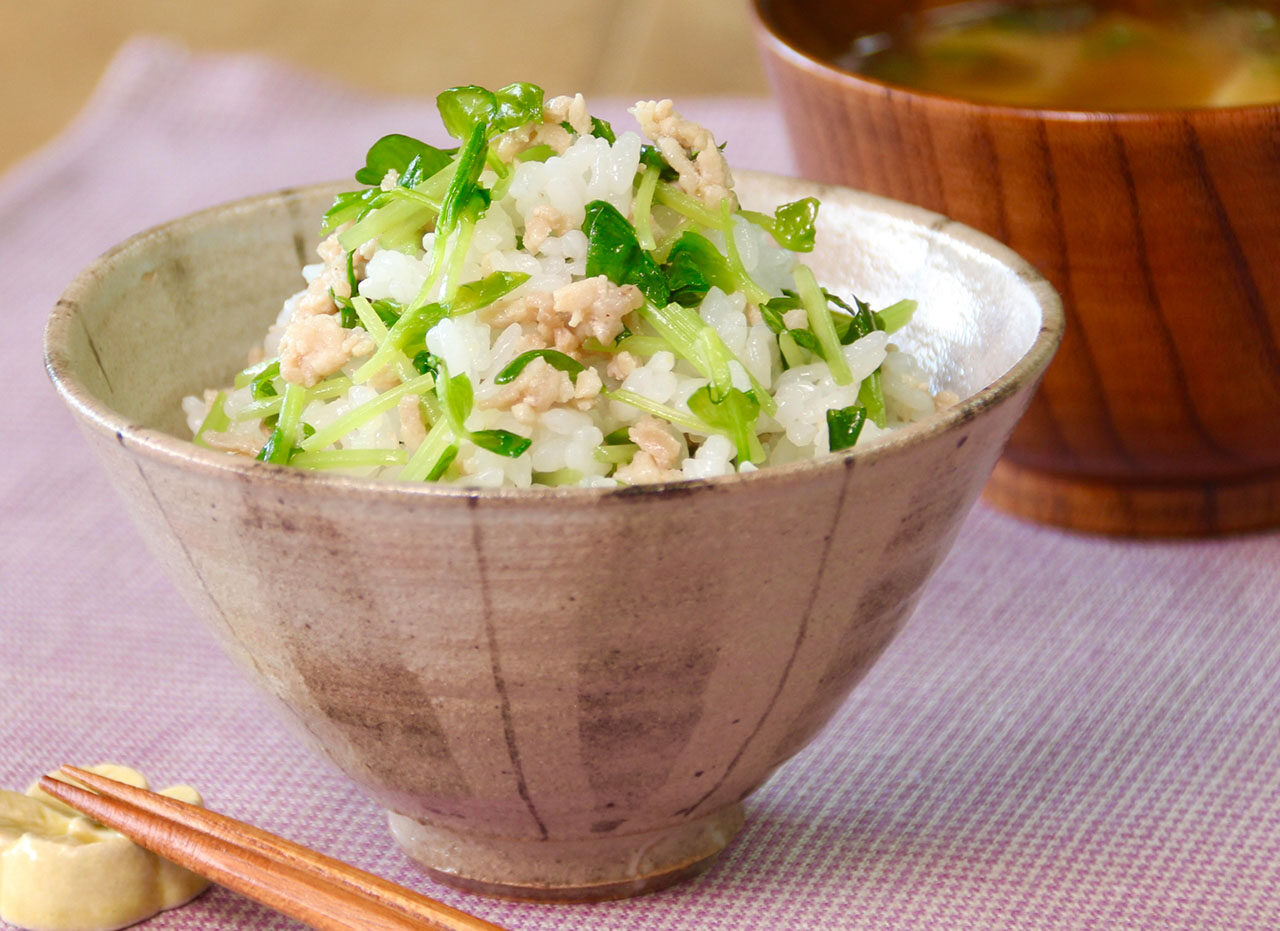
(1078, 56)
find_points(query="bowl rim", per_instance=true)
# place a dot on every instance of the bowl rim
(768, 31)
(172, 450)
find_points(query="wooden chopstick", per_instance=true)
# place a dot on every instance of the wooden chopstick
(321, 891)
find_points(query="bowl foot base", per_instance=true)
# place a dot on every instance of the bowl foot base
(577, 870)
(1193, 509)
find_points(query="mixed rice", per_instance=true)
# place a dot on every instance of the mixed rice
(555, 303)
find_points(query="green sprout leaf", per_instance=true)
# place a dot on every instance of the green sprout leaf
(351, 206)
(482, 292)
(397, 152)
(502, 442)
(793, 224)
(854, 323)
(427, 363)
(262, 386)
(464, 108)
(442, 464)
(733, 413)
(458, 397)
(614, 251)
(557, 360)
(601, 129)
(772, 312)
(844, 425)
(649, 155)
(516, 104)
(693, 267)
(806, 340)
(216, 420)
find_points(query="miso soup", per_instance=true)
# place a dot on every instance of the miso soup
(1079, 56)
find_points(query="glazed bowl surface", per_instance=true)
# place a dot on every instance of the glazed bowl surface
(555, 693)
(1161, 414)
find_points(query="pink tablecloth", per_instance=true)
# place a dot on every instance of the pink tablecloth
(1070, 733)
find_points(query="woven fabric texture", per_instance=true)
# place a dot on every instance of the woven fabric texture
(1071, 732)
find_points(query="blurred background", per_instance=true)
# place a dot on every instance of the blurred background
(54, 51)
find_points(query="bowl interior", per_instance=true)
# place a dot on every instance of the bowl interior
(175, 310)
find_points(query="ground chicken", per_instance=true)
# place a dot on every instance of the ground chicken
(314, 343)
(315, 347)
(412, 429)
(688, 148)
(332, 279)
(642, 470)
(591, 307)
(551, 132)
(514, 141)
(534, 391)
(660, 449)
(571, 110)
(385, 379)
(622, 365)
(540, 387)
(586, 389)
(543, 222)
(523, 310)
(657, 438)
(944, 399)
(567, 316)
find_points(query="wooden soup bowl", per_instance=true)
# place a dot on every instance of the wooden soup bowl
(555, 693)
(1161, 414)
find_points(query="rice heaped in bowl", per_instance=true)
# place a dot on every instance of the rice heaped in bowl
(557, 303)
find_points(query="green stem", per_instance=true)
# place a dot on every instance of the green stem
(369, 318)
(755, 294)
(216, 420)
(557, 478)
(670, 414)
(425, 457)
(617, 454)
(283, 439)
(671, 196)
(815, 306)
(363, 413)
(325, 391)
(410, 211)
(348, 458)
(457, 257)
(683, 330)
(642, 209)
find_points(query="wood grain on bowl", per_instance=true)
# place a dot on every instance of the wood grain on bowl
(1161, 412)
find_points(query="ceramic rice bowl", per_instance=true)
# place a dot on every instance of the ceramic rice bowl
(555, 693)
